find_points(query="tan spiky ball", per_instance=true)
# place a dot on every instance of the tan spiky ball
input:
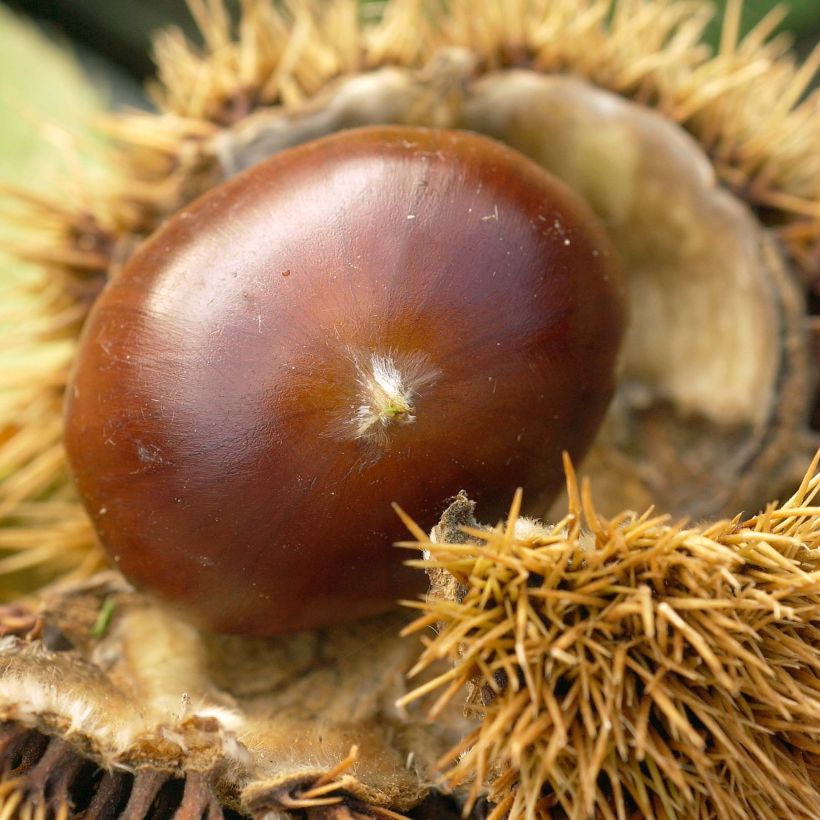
(630, 666)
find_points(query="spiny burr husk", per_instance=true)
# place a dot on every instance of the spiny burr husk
(631, 664)
(745, 104)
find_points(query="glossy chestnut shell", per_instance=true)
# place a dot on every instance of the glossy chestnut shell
(386, 314)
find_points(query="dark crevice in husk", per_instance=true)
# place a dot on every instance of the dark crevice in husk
(46, 777)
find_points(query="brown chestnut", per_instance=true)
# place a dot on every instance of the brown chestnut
(386, 314)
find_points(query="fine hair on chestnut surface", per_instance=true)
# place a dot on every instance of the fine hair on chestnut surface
(386, 314)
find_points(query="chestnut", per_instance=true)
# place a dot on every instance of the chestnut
(386, 314)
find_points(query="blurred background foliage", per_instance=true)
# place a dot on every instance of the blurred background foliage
(802, 20)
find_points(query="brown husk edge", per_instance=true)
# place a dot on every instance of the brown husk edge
(284, 725)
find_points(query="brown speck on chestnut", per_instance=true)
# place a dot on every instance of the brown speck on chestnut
(246, 438)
